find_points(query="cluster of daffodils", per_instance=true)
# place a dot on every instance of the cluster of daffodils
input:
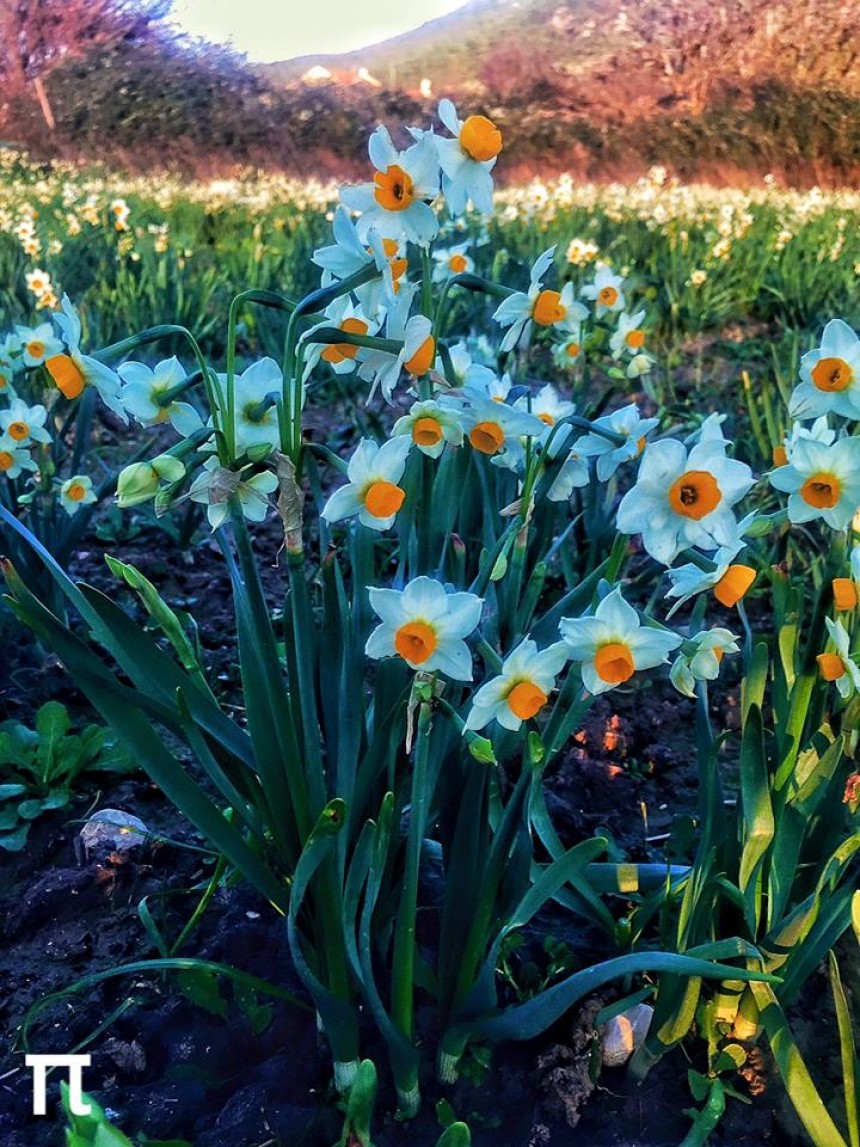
(818, 467)
(427, 626)
(46, 361)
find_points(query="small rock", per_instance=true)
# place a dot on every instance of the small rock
(623, 1034)
(108, 831)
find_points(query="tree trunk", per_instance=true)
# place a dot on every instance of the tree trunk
(44, 104)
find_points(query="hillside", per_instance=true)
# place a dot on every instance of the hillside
(594, 87)
(723, 90)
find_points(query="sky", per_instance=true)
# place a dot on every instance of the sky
(269, 30)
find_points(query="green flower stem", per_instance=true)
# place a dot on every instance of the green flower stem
(403, 963)
(292, 394)
(330, 335)
(265, 298)
(470, 283)
(305, 686)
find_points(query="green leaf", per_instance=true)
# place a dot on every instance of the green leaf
(201, 988)
(9, 791)
(524, 1021)
(793, 1071)
(847, 1052)
(457, 1135)
(30, 809)
(758, 819)
(52, 724)
(14, 841)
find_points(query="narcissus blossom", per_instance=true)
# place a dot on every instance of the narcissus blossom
(493, 428)
(426, 626)
(839, 666)
(452, 261)
(215, 485)
(628, 338)
(607, 291)
(821, 481)
(682, 501)
(522, 688)
(256, 392)
(700, 658)
(24, 424)
(14, 458)
(146, 395)
(416, 356)
(729, 580)
(633, 429)
(73, 371)
(521, 310)
(341, 357)
(38, 343)
(467, 160)
(373, 492)
(830, 376)
(613, 644)
(397, 203)
(75, 493)
(430, 425)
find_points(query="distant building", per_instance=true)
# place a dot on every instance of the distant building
(366, 78)
(317, 74)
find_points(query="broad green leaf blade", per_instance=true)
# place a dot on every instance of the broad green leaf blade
(798, 1082)
(847, 1052)
(524, 1021)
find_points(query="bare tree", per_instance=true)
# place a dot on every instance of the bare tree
(37, 36)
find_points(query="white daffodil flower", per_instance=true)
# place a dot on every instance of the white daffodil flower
(567, 353)
(606, 292)
(522, 688)
(839, 666)
(574, 473)
(729, 580)
(467, 160)
(822, 481)
(426, 626)
(76, 492)
(613, 644)
(395, 204)
(341, 357)
(14, 458)
(214, 486)
(74, 371)
(10, 359)
(347, 255)
(145, 395)
(494, 428)
(630, 426)
(452, 261)
(556, 309)
(24, 424)
(819, 431)
(547, 405)
(682, 501)
(830, 376)
(256, 392)
(416, 357)
(628, 338)
(700, 658)
(430, 425)
(38, 343)
(372, 492)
